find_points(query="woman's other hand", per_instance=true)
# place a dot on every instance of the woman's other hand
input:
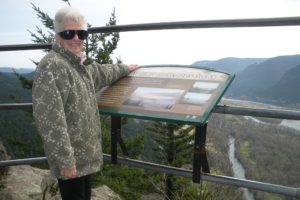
(68, 172)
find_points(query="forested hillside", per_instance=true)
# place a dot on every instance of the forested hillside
(17, 129)
(11, 89)
(256, 80)
(287, 89)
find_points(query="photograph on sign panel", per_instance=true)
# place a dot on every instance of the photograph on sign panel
(148, 97)
(195, 98)
(204, 87)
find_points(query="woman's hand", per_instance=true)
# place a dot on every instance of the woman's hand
(132, 67)
(68, 172)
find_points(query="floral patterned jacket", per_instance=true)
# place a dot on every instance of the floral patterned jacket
(66, 112)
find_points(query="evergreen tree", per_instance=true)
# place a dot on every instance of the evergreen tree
(100, 46)
(174, 147)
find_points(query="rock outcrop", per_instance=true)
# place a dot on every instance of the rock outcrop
(28, 183)
(3, 156)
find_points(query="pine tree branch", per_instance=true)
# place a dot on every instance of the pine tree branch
(46, 20)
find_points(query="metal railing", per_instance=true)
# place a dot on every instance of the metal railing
(269, 113)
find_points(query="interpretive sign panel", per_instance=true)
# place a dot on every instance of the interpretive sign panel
(168, 93)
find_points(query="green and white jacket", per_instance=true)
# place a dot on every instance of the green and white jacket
(66, 112)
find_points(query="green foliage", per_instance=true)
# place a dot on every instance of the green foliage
(44, 17)
(101, 45)
(174, 147)
(174, 143)
(127, 181)
(11, 89)
(269, 154)
(134, 141)
(19, 135)
(26, 83)
(67, 2)
(47, 21)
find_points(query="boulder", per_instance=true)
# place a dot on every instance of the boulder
(22, 183)
(3, 152)
(28, 183)
(3, 156)
(104, 193)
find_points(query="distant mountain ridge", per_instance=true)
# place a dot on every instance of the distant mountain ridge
(229, 64)
(18, 70)
(268, 80)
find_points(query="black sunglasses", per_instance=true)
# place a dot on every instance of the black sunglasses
(69, 34)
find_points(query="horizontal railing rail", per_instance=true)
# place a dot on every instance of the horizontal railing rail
(223, 109)
(229, 23)
(22, 47)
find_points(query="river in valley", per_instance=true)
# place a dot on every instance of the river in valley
(237, 168)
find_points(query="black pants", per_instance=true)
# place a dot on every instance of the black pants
(75, 189)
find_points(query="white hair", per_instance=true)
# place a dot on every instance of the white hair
(66, 15)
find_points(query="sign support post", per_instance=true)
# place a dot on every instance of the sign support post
(200, 159)
(115, 131)
(116, 138)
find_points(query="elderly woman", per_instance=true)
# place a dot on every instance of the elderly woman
(65, 106)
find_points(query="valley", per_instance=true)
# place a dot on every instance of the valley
(267, 149)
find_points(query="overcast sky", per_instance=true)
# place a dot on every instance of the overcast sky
(167, 46)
